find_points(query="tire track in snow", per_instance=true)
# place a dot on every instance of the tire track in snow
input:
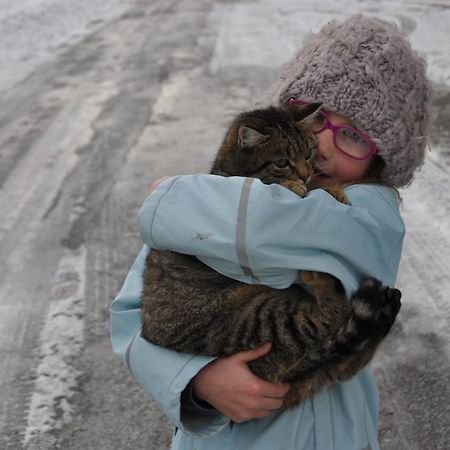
(60, 343)
(62, 175)
(32, 31)
(27, 243)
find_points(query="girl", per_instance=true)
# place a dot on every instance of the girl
(373, 127)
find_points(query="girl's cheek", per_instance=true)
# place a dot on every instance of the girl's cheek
(350, 169)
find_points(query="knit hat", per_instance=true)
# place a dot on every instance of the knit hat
(364, 69)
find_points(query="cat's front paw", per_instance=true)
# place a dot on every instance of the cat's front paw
(295, 186)
(338, 194)
(375, 307)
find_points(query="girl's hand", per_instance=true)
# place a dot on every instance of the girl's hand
(229, 385)
(155, 184)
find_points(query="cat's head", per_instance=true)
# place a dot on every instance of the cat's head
(271, 144)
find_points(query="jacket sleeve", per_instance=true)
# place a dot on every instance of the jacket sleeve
(264, 234)
(162, 372)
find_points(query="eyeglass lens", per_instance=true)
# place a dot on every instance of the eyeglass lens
(347, 139)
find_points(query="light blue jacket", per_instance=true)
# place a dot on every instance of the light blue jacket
(261, 234)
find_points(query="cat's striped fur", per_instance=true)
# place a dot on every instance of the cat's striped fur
(317, 338)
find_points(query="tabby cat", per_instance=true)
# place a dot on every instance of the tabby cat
(317, 338)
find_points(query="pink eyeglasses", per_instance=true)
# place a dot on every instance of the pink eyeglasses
(348, 140)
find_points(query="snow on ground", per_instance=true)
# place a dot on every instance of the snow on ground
(278, 29)
(32, 30)
(32, 33)
(60, 343)
(425, 266)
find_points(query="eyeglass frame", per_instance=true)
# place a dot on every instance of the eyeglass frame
(335, 128)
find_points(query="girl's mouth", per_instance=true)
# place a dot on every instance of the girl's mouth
(319, 179)
(318, 173)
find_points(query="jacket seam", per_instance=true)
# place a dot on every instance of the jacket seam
(241, 224)
(156, 210)
(128, 351)
(178, 374)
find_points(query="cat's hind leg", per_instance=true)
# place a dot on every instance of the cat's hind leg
(374, 308)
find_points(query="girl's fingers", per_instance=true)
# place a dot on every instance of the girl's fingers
(251, 355)
(271, 404)
(272, 390)
(262, 387)
(233, 389)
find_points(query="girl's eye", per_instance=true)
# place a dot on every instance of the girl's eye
(352, 135)
(281, 163)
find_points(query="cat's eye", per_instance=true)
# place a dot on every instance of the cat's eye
(281, 163)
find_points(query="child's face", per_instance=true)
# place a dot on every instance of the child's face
(333, 166)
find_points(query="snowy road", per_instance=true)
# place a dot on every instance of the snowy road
(96, 102)
(32, 31)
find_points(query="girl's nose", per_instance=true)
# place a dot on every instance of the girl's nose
(325, 144)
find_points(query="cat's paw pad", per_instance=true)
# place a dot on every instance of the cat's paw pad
(375, 306)
(390, 309)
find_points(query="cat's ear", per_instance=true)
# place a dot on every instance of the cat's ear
(305, 112)
(249, 137)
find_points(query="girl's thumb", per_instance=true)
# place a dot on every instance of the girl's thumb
(250, 355)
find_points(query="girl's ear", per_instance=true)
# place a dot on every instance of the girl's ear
(303, 113)
(249, 137)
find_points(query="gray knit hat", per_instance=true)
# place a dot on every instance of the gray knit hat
(365, 69)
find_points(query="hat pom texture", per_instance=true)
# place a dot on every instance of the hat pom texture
(365, 69)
